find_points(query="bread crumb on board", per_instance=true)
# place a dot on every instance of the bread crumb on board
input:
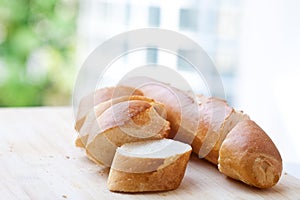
(104, 171)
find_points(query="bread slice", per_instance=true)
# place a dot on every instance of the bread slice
(129, 121)
(249, 155)
(217, 119)
(87, 103)
(154, 165)
(91, 124)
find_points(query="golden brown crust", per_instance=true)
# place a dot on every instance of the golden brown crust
(90, 120)
(99, 96)
(126, 122)
(144, 126)
(249, 155)
(120, 113)
(167, 178)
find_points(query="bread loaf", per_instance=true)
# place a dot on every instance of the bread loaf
(249, 155)
(156, 165)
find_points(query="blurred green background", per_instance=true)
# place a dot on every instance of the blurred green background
(37, 52)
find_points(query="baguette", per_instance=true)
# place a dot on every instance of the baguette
(149, 166)
(129, 121)
(216, 132)
(249, 155)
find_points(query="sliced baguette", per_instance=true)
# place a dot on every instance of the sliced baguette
(249, 155)
(124, 122)
(155, 165)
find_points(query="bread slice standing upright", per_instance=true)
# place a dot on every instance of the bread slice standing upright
(153, 165)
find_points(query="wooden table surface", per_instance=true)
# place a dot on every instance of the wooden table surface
(38, 160)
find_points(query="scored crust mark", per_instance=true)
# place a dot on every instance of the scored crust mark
(217, 119)
(213, 113)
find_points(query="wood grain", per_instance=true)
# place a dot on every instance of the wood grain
(38, 160)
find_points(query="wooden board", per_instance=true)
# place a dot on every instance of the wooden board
(38, 160)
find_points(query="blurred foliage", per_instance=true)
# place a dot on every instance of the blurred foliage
(37, 51)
